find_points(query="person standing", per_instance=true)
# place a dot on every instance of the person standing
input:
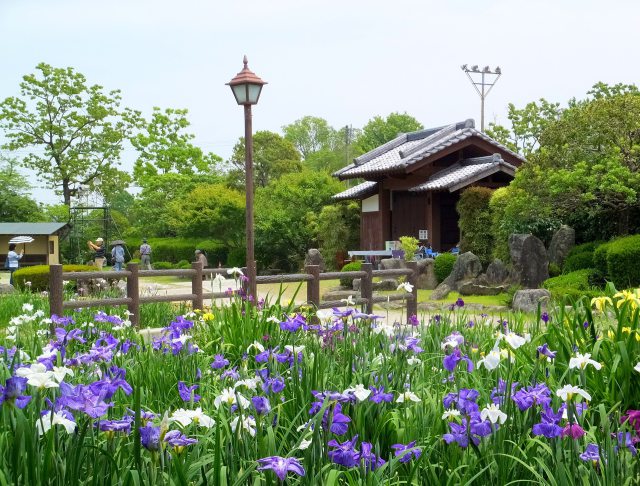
(12, 260)
(145, 255)
(98, 252)
(117, 254)
(200, 257)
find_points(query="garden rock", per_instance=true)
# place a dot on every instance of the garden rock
(563, 240)
(386, 284)
(475, 288)
(529, 259)
(357, 282)
(527, 300)
(314, 257)
(426, 274)
(340, 294)
(392, 264)
(497, 272)
(440, 292)
(467, 267)
(7, 289)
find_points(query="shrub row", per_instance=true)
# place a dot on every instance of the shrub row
(174, 250)
(350, 267)
(38, 275)
(622, 260)
(443, 265)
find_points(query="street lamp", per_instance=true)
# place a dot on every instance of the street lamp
(246, 87)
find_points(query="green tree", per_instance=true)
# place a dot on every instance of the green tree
(164, 146)
(475, 223)
(337, 229)
(311, 134)
(273, 156)
(285, 213)
(209, 211)
(15, 203)
(75, 132)
(380, 130)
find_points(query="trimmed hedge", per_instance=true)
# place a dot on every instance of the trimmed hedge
(579, 261)
(162, 265)
(475, 222)
(443, 265)
(600, 258)
(176, 249)
(38, 275)
(623, 262)
(350, 267)
(574, 285)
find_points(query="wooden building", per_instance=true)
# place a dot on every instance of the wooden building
(413, 182)
(44, 250)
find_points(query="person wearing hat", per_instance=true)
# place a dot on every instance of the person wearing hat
(98, 252)
(145, 255)
(117, 256)
(201, 257)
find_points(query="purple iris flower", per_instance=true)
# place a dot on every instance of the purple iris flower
(273, 385)
(83, 399)
(378, 395)
(343, 314)
(63, 336)
(219, 362)
(591, 453)
(281, 466)
(544, 317)
(459, 302)
(458, 434)
(625, 439)
(150, 437)
(545, 351)
(12, 392)
(293, 324)
(450, 361)
(547, 429)
(261, 405)
(339, 421)
(530, 396)
(464, 400)
(61, 320)
(112, 380)
(231, 373)
(371, 461)
(123, 425)
(176, 439)
(127, 345)
(188, 393)
(407, 452)
(263, 357)
(572, 430)
(344, 453)
(498, 393)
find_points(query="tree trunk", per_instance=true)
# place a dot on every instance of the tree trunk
(66, 192)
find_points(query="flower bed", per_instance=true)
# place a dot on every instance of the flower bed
(257, 395)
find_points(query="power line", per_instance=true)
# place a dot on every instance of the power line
(482, 81)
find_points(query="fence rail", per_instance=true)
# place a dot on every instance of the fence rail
(313, 277)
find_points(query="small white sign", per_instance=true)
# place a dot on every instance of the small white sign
(423, 234)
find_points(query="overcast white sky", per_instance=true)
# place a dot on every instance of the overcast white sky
(345, 61)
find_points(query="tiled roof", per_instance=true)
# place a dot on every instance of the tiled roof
(357, 192)
(468, 170)
(18, 229)
(408, 148)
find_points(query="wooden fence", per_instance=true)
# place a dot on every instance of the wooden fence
(312, 277)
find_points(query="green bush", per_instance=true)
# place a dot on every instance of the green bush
(350, 267)
(38, 275)
(475, 223)
(443, 265)
(559, 294)
(409, 246)
(623, 262)
(182, 264)
(237, 257)
(162, 265)
(578, 261)
(176, 249)
(578, 280)
(600, 258)
(554, 270)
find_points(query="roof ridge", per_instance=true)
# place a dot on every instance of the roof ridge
(384, 148)
(443, 132)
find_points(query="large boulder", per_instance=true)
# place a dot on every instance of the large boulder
(426, 275)
(440, 292)
(7, 289)
(386, 284)
(467, 267)
(391, 264)
(475, 288)
(314, 257)
(527, 300)
(529, 259)
(333, 295)
(497, 273)
(563, 240)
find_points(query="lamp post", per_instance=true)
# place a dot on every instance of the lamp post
(246, 88)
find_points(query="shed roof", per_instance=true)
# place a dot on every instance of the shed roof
(15, 229)
(408, 148)
(357, 192)
(465, 172)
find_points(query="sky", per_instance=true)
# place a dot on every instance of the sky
(345, 61)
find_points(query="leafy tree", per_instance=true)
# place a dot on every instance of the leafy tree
(273, 156)
(58, 213)
(75, 132)
(164, 147)
(209, 211)
(15, 204)
(311, 134)
(285, 214)
(337, 229)
(475, 222)
(381, 130)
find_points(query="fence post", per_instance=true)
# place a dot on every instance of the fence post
(412, 303)
(196, 286)
(133, 293)
(366, 287)
(313, 285)
(56, 296)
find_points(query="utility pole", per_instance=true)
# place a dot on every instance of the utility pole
(486, 79)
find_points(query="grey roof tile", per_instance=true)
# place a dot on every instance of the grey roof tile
(18, 229)
(357, 192)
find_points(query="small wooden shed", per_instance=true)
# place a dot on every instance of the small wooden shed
(45, 249)
(412, 183)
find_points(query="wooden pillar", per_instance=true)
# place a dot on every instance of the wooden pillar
(133, 294)
(313, 285)
(366, 287)
(434, 228)
(384, 201)
(412, 304)
(196, 286)
(56, 296)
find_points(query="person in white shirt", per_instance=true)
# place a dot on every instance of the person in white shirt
(13, 259)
